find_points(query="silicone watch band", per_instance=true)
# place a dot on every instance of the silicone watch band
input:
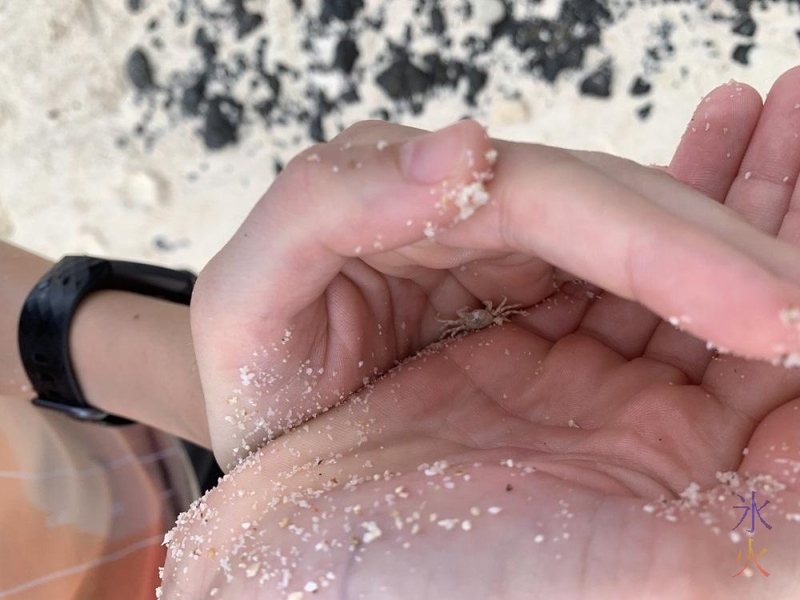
(44, 324)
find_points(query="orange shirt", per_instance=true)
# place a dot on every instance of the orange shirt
(84, 508)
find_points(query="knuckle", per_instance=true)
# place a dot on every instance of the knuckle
(303, 169)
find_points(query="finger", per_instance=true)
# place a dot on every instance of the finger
(716, 140)
(763, 189)
(773, 450)
(708, 158)
(670, 195)
(769, 202)
(705, 160)
(639, 235)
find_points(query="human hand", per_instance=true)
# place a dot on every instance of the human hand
(334, 256)
(568, 422)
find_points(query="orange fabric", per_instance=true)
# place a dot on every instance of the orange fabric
(83, 509)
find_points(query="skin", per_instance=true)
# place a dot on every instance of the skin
(114, 338)
(612, 406)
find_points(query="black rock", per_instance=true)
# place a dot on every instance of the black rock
(324, 106)
(587, 11)
(402, 79)
(408, 35)
(274, 83)
(745, 26)
(640, 87)
(223, 118)
(166, 245)
(346, 54)
(350, 96)
(139, 71)
(438, 25)
(477, 80)
(741, 52)
(502, 27)
(554, 46)
(344, 10)
(207, 46)
(194, 96)
(645, 111)
(315, 129)
(440, 72)
(550, 67)
(246, 21)
(598, 83)
(265, 108)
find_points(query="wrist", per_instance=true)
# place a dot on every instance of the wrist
(132, 354)
(133, 357)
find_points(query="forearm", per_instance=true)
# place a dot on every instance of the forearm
(133, 355)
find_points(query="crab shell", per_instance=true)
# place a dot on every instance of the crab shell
(478, 319)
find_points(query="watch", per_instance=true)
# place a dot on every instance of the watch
(43, 334)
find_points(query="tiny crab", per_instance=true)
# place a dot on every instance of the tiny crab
(473, 319)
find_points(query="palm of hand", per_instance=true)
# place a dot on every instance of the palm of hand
(604, 433)
(565, 436)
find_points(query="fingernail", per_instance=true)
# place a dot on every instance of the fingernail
(431, 157)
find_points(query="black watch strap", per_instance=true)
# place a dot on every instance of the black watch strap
(44, 324)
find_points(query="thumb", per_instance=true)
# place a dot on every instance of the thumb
(337, 201)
